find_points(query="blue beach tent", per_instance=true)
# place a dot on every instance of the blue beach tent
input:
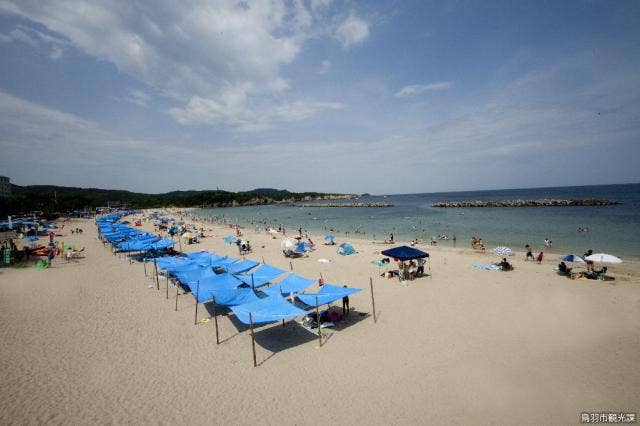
(346, 249)
(405, 253)
(230, 239)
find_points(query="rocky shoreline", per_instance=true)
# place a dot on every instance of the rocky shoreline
(546, 202)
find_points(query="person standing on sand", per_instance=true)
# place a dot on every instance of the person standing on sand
(529, 253)
(391, 237)
(345, 305)
(540, 257)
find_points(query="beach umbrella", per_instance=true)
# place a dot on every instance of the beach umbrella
(503, 251)
(288, 244)
(603, 258)
(572, 258)
(328, 238)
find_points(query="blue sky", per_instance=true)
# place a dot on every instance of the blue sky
(319, 95)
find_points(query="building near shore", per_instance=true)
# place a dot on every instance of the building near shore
(5, 186)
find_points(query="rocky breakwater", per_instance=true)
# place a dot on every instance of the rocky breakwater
(357, 204)
(546, 202)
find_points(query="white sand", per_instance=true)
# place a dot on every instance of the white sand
(90, 342)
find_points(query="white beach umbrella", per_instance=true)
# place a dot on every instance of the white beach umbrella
(288, 244)
(503, 251)
(603, 258)
(273, 231)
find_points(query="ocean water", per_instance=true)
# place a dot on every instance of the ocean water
(614, 229)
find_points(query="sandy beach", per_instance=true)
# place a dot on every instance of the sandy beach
(94, 341)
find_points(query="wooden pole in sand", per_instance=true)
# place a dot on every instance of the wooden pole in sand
(253, 340)
(144, 262)
(195, 321)
(155, 264)
(291, 265)
(215, 320)
(177, 288)
(373, 300)
(319, 324)
(167, 276)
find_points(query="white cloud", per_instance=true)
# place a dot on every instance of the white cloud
(36, 39)
(416, 89)
(325, 66)
(232, 108)
(320, 4)
(138, 97)
(352, 31)
(220, 54)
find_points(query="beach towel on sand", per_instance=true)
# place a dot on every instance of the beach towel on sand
(486, 266)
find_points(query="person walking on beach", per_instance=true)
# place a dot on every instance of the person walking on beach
(345, 305)
(529, 253)
(589, 262)
(420, 271)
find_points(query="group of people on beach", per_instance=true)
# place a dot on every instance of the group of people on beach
(411, 270)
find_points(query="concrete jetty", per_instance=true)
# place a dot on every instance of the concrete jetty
(546, 202)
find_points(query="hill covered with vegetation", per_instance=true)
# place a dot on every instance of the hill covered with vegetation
(61, 199)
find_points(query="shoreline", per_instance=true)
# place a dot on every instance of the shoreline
(460, 245)
(551, 255)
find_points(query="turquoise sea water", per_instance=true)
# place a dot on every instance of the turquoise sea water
(614, 229)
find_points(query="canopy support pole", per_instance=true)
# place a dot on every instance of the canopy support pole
(319, 324)
(155, 264)
(180, 242)
(263, 260)
(195, 321)
(253, 340)
(177, 288)
(373, 301)
(291, 265)
(144, 262)
(167, 276)
(215, 320)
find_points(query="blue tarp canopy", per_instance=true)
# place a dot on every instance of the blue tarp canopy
(166, 262)
(186, 277)
(346, 249)
(261, 276)
(242, 266)
(293, 284)
(223, 262)
(327, 294)
(162, 244)
(328, 237)
(405, 253)
(197, 254)
(217, 282)
(230, 297)
(269, 309)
